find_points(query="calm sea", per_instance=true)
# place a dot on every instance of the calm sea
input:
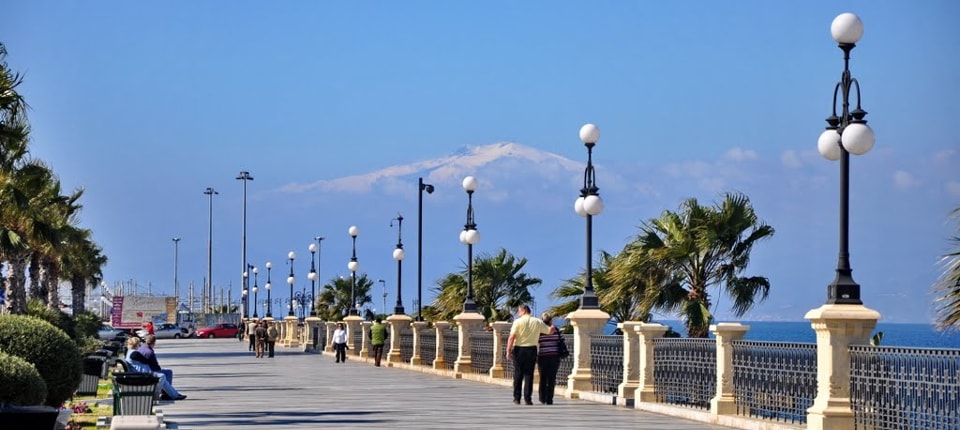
(914, 335)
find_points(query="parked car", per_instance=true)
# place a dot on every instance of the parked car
(218, 330)
(166, 331)
(107, 332)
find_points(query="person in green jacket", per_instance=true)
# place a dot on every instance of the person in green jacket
(378, 337)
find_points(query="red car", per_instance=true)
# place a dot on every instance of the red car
(218, 330)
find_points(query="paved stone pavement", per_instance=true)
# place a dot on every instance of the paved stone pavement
(229, 388)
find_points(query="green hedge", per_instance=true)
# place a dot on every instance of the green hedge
(49, 349)
(20, 383)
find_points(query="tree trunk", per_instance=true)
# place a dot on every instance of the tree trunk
(16, 301)
(37, 288)
(78, 289)
(50, 275)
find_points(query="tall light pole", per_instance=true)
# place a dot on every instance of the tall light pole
(313, 275)
(845, 135)
(176, 268)
(383, 283)
(429, 189)
(290, 280)
(588, 205)
(398, 255)
(469, 236)
(208, 291)
(353, 266)
(267, 286)
(245, 176)
(255, 287)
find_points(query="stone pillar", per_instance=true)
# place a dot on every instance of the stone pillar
(290, 340)
(645, 387)
(441, 327)
(418, 326)
(837, 327)
(585, 322)
(724, 402)
(631, 362)
(467, 322)
(331, 326)
(365, 339)
(353, 327)
(398, 324)
(310, 324)
(501, 329)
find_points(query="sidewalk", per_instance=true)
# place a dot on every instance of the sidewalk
(228, 388)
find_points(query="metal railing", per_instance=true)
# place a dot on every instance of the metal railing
(507, 364)
(774, 380)
(406, 346)
(905, 388)
(566, 364)
(451, 348)
(358, 341)
(685, 371)
(606, 362)
(481, 351)
(428, 347)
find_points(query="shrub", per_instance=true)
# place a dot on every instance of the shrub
(39, 309)
(86, 324)
(20, 383)
(48, 348)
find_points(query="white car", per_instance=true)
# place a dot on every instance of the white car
(107, 332)
(166, 331)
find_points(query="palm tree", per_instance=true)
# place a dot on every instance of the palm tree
(947, 286)
(499, 286)
(621, 300)
(334, 298)
(693, 249)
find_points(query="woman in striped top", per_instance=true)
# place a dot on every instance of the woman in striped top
(548, 360)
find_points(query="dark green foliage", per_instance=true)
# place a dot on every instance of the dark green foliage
(58, 318)
(20, 383)
(48, 348)
(86, 324)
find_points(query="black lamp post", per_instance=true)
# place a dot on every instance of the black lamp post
(267, 286)
(290, 280)
(429, 189)
(469, 236)
(245, 176)
(176, 268)
(353, 266)
(398, 255)
(208, 290)
(255, 287)
(313, 275)
(588, 205)
(304, 299)
(845, 135)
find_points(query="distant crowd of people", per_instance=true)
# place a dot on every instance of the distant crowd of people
(262, 336)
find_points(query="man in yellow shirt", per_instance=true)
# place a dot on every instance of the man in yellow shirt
(522, 346)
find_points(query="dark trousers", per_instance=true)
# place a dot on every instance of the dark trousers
(341, 351)
(253, 341)
(548, 377)
(270, 345)
(524, 361)
(377, 354)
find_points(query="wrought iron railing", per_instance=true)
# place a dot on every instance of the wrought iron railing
(685, 371)
(566, 364)
(481, 351)
(358, 341)
(406, 346)
(451, 348)
(905, 388)
(774, 380)
(428, 347)
(606, 362)
(507, 364)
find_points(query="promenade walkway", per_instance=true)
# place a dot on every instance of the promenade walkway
(229, 388)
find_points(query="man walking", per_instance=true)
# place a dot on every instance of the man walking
(272, 335)
(252, 333)
(522, 346)
(378, 337)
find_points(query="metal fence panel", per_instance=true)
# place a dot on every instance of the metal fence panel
(685, 371)
(774, 380)
(406, 346)
(428, 347)
(481, 351)
(606, 362)
(451, 348)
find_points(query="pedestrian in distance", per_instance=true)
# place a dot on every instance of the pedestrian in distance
(261, 333)
(272, 335)
(522, 347)
(378, 337)
(548, 360)
(252, 334)
(340, 342)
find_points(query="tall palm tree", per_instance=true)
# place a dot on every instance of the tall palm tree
(499, 286)
(947, 286)
(334, 298)
(621, 300)
(699, 247)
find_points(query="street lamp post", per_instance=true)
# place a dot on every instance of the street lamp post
(353, 266)
(383, 283)
(245, 176)
(208, 291)
(589, 205)
(245, 292)
(267, 286)
(290, 280)
(176, 268)
(845, 135)
(313, 275)
(398, 255)
(429, 189)
(469, 236)
(255, 298)
(305, 299)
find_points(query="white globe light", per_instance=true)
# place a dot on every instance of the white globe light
(269, 265)
(291, 255)
(267, 286)
(354, 231)
(589, 133)
(353, 266)
(593, 205)
(244, 292)
(472, 236)
(846, 28)
(254, 289)
(312, 276)
(255, 270)
(463, 237)
(291, 280)
(398, 254)
(245, 275)
(578, 207)
(312, 247)
(829, 144)
(469, 183)
(858, 138)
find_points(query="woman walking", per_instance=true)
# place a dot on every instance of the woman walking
(340, 342)
(548, 360)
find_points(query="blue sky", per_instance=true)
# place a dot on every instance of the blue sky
(147, 104)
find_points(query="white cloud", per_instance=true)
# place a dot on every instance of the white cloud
(944, 157)
(740, 154)
(690, 168)
(952, 188)
(791, 159)
(903, 180)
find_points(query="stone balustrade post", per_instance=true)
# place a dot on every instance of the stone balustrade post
(365, 339)
(467, 323)
(837, 327)
(290, 340)
(353, 327)
(418, 327)
(442, 330)
(501, 330)
(310, 324)
(645, 391)
(399, 324)
(586, 323)
(631, 363)
(331, 326)
(724, 402)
